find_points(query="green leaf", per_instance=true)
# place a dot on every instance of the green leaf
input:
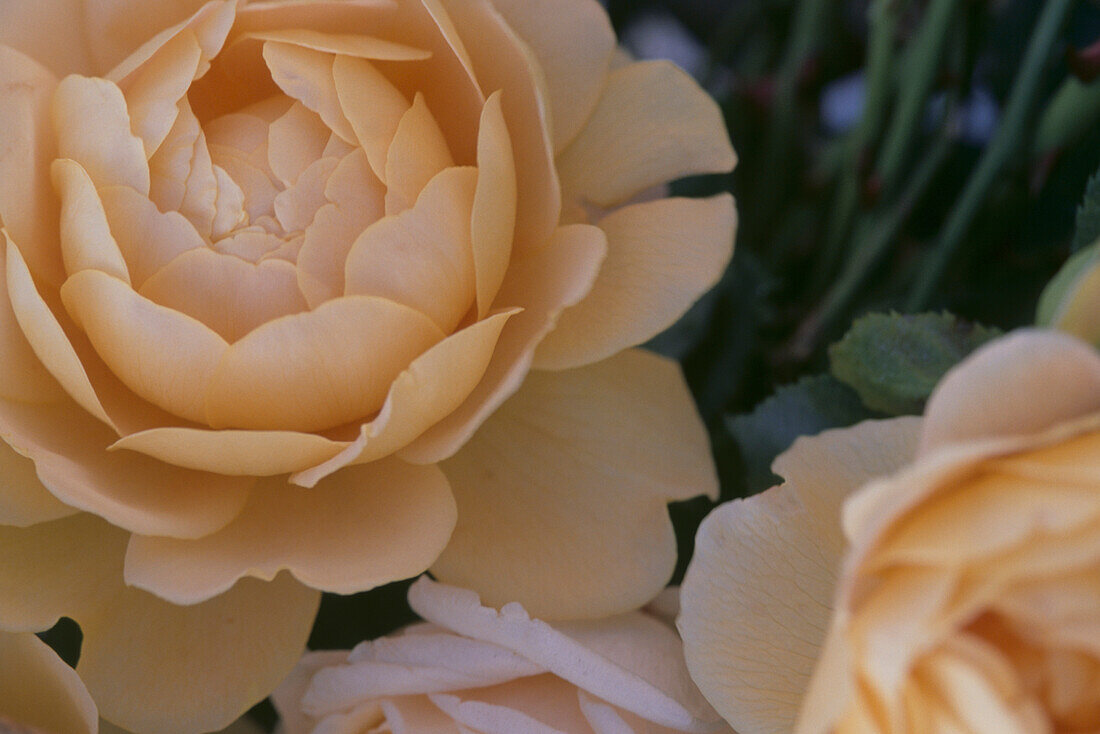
(804, 408)
(895, 361)
(1088, 216)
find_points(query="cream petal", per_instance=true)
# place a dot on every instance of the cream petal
(662, 255)
(319, 369)
(416, 715)
(357, 529)
(760, 587)
(356, 196)
(342, 44)
(372, 105)
(504, 62)
(153, 94)
(166, 357)
(69, 449)
(182, 171)
(46, 31)
(573, 41)
(229, 295)
(86, 240)
(416, 154)
(578, 465)
(45, 335)
(38, 690)
(422, 257)
(248, 245)
(296, 207)
(23, 499)
(493, 222)
(233, 453)
(229, 212)
(491, 718)
(295, 140)
(147, 238)
(28, 207)
(968, 403)
(258, 189)
(306, 75)
(514, 629)
(542, 284)
(287, 697)
(243, 133)
(433, 385)
(653, 124)
(154, 666)
(93, 129)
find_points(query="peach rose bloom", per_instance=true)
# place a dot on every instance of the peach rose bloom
(341, 288)
(968, 596)
(473, 668)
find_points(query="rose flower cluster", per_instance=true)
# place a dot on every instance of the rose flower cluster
(304, 296)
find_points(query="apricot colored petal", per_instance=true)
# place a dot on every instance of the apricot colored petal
(653, 124)
(153, 666)
(86, 240)
(573, 42)
(287, 698)
(257, 187)
(296, 207)
(513, 628)
(416, 154)
(44, 30)
(968, 403)
(319, 369)
(28, 207)
(503, 61)
(372, 105)
(93, 129)
(542, 283)
(359, 528)
(232, 453)
(230, 296)
(432, 387)
(306, 75)
(23, 499)
(182, 173)
(759, 592)
(148, 238)
(295, 140)
(356, 196)
(153, 95)
(117, 29)
(166, 357)
(69, 449)
(24, 378)
(493, 221)
(662, 255)
(422, 257)
(344, 44)
(578, 465)
(45, 335)
(38, 690)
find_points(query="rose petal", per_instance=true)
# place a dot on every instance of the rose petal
(147, 238)
(573, 41)
(37, 689)
(295, 140)
(653, 124)
(662, 255)
(46, 31)
(416, 154)
(154, 92)
(357, 529)
(319, 369)
(373, 106)
(86, 240)
(422, 257)
(306, 75)
(23, 499)
(93, 129)
(24, 378)
(493, 221)
(350, 45)
(578, 465)
(296, 207)
(758, 594)
(287, 697)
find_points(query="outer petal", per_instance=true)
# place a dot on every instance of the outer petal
(493, 221)
(577, 466)
(653, 124)
(23, 499)
(662, 255)
(46, 31)
(116, 28)
(357, 529)
(573, 41)
(968, 404)
(38, 689)
(758, 594)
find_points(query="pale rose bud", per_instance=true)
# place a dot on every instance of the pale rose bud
(909, 576)
(474, 668)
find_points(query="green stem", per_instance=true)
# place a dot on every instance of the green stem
(922, 63)
(1006, 143)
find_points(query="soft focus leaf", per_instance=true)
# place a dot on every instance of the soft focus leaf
(894, 361)
(1088, 216)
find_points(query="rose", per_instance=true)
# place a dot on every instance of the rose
(190, 395)
(967, 598)
(39, 692)
(499, 672)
